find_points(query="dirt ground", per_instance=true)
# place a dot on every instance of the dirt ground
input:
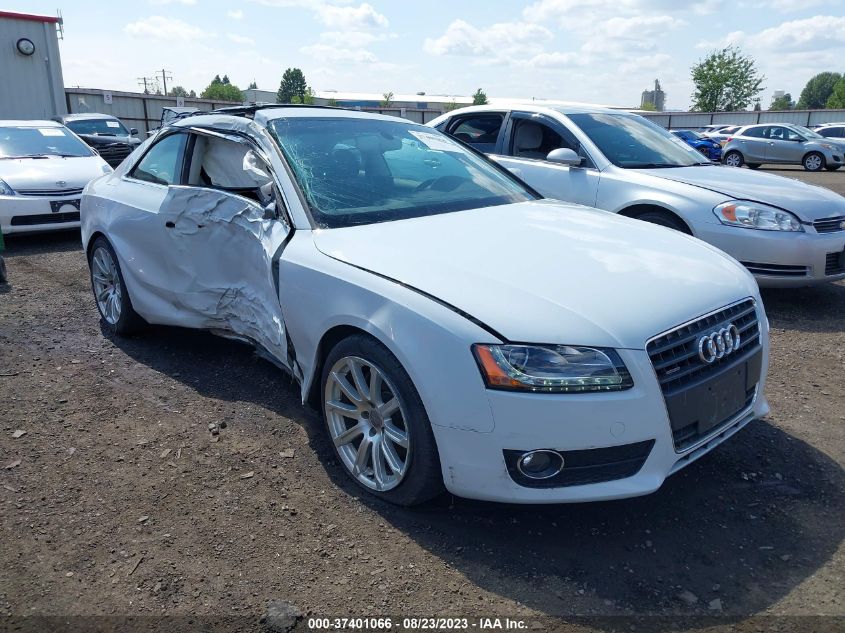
(118, 501)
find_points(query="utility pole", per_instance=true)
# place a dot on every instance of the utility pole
(142, 81)
(165, 75)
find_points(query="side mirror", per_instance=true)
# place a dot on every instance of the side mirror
(800, 140)
(564, 156)
(133, 131)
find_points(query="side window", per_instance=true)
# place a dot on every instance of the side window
(535, 139)
(792, 135)
(480, 130)
(219, 163)
(777, 133)
(162, 164)
(755, 132)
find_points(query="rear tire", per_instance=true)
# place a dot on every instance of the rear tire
(372, 412)
(3, 276)
(734, 159)
(110, 293)
(662, 218)
(832, 167)
(814, 161)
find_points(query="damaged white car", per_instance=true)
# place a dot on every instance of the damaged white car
(454, 329)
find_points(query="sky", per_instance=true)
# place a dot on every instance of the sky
(594, 51)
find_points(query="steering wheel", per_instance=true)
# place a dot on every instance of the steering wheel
(448, 183)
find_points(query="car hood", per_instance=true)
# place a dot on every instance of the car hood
(808, 202)
(45, 173)
(98, 140)
(550, 272)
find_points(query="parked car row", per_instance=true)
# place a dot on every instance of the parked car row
(431, 288)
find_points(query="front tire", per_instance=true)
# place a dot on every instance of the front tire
(3, 276)
(753, 165)
(814, 162)
(662, 218)
(734, 159)
(377, 423)
(109, 289)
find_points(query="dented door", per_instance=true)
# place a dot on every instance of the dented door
(220, 250)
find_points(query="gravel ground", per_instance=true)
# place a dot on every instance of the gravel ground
(118, 501)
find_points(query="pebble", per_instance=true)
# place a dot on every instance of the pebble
(281, 616)
(144, 518)
(18, 434)
(288, 453)
(13, 464)
(688, 597)
(715, 605)
(248, 475)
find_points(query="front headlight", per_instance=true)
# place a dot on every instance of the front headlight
(828, 146)
(753, 215)
(6, 190)
(551, 368)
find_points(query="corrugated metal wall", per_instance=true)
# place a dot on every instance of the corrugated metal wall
(32, 86)
(134, 109)
(682, 120)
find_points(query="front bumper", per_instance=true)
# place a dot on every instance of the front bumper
(779, 259)
(474, 463)
(26, 214)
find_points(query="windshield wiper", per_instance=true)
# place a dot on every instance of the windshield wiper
(25, 156)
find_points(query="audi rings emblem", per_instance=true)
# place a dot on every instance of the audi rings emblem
(717, 345)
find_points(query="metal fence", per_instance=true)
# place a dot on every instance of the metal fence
(684, 120)
(135, 109)
(143, 111)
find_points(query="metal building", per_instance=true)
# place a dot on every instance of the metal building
(30, 67)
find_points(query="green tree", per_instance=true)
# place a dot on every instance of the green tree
(648, 106)
(177, 91)
(220, 90)
(252, 86)
(332, 102)
(784, 102)
(479, 98)
(388, 99)
(725, 81)
(452, 105)
(293, 85)
(818, 91)
(837, 98)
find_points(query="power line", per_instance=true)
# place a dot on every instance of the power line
(144, 81)
(165, 75)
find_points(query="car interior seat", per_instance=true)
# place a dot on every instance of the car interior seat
(527, 142)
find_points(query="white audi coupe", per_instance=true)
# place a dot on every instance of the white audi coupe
(455, 329)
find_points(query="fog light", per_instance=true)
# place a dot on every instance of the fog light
(541, 464)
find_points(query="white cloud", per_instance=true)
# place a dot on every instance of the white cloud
(361, 17)
(237, 14)
(789, 6)
(158, 27)
(555, 60)
(327, 52)
(497, 41)
(163, 2)
(817, 33)
(240, 39)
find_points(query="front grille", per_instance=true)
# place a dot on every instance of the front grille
(834, 264)
(49, 193)
(115, 153)
(776, 270)
(46, 218)
(675, 355)
(830, 225)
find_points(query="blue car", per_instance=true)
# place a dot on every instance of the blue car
(710, 148)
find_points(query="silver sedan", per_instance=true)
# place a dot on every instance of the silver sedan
(782, 143)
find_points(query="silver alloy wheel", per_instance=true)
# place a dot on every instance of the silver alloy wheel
(106, 282)
(733, 160)
(367, 423)
(813, 162)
